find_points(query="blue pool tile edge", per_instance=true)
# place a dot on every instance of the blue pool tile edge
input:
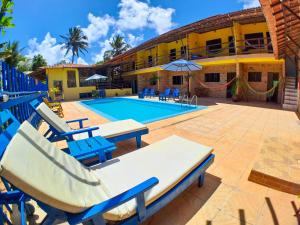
(111, 118)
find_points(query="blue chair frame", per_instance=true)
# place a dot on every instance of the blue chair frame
(175, 93)
(8, 128)
(54, 135)
(143, 93)
(164, 96)
(151, 93)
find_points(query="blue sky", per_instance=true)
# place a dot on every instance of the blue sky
(40, 22)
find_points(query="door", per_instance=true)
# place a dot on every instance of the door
(230, 76)
(271, 78)
(134, 86)
(58, 92)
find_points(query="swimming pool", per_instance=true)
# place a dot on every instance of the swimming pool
(144, 111)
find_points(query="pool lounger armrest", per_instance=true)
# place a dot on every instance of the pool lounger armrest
(80, 121)
(135, 192)
(69, 135)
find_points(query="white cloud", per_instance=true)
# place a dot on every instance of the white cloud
(48, 48)
(135, 14)
(104, 46)
(98, 27)
(161, 19)
(134, 40)
(250, 3)
(81, 61)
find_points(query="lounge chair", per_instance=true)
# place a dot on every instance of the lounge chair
(113, 131)
(55, 107)
(165, 95)
(67, 190)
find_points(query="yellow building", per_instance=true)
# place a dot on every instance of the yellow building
(67, 82)
(233, 45)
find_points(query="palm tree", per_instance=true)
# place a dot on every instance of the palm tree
(118, 45)
(12, 54)
(75, 41)
(38, 61)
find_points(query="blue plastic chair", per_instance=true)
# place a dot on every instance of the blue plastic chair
(143, 93)
(176, 93)
(151, 93)
(95, 213)
(164, 96)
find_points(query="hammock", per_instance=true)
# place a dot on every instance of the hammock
(215, 87)
(255, 46)
(268, 93)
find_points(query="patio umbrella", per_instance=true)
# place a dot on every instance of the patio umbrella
(182, 65)
(96, 77)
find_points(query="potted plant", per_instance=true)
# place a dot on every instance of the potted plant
(153, 80)
(234, 94)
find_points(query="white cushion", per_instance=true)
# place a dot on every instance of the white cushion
(113, 129)
(51, 118)
(170, 160)
(37, 167)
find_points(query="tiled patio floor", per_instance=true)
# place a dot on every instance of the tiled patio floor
(237, 133)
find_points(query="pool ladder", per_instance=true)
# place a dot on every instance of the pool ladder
(185, 98)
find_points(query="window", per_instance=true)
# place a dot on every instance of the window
(231, 45)
(254, 41)
(150, 60)
(173, 54)
(212, 77)
(71, 79)
(214, 46)
(183, 52)
(254, 76)
(177, 80)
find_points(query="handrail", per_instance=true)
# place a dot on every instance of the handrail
(238, 47)
(182, 100)
(196, 102)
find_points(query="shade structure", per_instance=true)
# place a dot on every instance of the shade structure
(96, 77)
(182, 65)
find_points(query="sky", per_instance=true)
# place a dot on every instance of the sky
(39, 23)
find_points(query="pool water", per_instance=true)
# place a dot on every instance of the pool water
(144, 111)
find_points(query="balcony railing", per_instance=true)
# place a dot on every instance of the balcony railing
(240, 47)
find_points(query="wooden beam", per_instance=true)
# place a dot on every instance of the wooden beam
(291, 11)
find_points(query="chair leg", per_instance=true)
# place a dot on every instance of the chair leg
(138, 141)
(48, 220)
(201, 180)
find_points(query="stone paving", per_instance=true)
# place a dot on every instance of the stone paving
(238, 133)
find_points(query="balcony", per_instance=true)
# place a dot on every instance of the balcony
(240, 47)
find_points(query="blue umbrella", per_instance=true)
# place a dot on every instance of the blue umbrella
(181, 65)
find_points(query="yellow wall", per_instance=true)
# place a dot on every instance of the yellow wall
(60, 74)
(197, 42)
(118, 92)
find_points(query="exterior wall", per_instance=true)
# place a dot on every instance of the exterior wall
(60, 74)
(200, 75)
(298, 81)
(118, 92)
(263, 85)
(241, 70)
